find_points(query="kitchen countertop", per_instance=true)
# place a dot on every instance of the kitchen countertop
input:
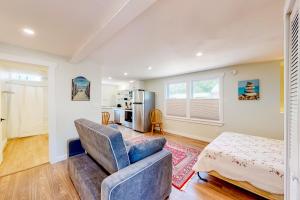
(115, 108)
(123, 109)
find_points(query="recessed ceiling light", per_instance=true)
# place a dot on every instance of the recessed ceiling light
(109, 78)
(132, 81)
(125, 73)
(149, 68)
(199, 54)
(28, 31)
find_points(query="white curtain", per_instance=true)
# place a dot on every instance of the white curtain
(27, 110)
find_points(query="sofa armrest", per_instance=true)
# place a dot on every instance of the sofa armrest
(147, 179)
(74, 147)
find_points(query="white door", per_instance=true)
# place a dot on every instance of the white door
(1, 134)
(293, 105)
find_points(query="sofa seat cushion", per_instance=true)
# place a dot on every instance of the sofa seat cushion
(86, 176)
(140, 151)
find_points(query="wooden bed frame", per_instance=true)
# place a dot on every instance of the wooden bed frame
(247, 186)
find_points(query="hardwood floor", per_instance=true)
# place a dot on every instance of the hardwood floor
(24, 153)
(39, 183)
(52, 182)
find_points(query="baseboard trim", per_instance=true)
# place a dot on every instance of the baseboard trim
(2, 147)
(4, 143)
(205, 139)
(60, 158)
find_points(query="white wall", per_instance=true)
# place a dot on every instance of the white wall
(262, 117)
(109, 95)
(131, 86)
(137, 85)
(66, 111)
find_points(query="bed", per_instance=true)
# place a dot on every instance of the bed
(250, 162)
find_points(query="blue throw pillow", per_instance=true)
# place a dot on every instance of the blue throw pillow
(140, 151)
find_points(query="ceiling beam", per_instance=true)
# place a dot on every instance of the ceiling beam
(128, 12)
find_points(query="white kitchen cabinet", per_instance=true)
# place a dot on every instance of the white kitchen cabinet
(119, 115)
(122, 116)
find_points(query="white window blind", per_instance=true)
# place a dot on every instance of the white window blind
(207, 109)
(176, 107)
(293, 111)
(294, 85)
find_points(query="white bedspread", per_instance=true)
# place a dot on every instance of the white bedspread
(240, 157)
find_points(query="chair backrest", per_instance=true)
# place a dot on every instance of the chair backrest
(105, 118)
(156, 116)
(104, 144)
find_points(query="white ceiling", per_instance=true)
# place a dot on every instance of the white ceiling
(169, 34)
(130, 35)
(61, 26)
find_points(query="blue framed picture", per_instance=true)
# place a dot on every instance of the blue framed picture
(80, 89)
(249, 90)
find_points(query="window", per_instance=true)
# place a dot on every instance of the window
(25, 77)
(205, 89)
(205, 102)
(197, 100)
(177, 90)
(176, 99)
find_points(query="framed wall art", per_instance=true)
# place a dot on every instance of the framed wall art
(249, 90)
(80, 89)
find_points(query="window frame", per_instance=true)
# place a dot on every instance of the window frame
(189, 97)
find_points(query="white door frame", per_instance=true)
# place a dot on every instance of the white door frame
(287, 11)
(51, 95)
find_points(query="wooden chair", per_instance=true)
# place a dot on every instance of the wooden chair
(156, 120)
(105, 118)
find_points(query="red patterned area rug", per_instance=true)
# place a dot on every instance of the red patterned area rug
(183, 158)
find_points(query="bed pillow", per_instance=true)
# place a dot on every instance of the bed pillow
(140, 151)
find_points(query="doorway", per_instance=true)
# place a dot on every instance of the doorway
(24, 113)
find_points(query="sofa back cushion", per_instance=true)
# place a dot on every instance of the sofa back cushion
(104, 144)
(140, 151)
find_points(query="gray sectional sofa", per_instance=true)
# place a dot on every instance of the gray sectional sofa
(102, 169)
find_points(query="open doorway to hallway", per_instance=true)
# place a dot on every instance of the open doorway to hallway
(24, 116)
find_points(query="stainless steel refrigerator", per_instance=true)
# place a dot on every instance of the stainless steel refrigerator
(143, 102)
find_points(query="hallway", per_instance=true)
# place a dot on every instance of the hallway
(24, 153)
